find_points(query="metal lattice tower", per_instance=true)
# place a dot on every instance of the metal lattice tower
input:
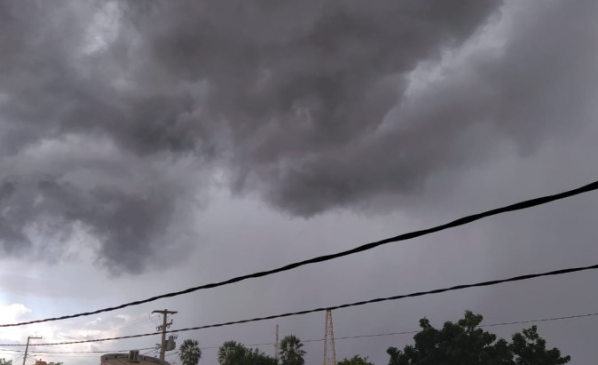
(329, 348)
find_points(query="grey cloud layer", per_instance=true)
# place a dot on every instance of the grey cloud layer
(298, 87)
(304, 103)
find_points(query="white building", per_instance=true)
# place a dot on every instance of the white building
(132, 358)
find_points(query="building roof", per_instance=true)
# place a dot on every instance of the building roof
(123, 359)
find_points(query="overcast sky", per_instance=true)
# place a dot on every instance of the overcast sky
(147, 147)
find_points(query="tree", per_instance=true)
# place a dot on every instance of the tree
(256, 357)
(291, 352)
(190, 353)
(231, 353)
(234, 353)
(55, 363)
(5, 362)
(355, 360)
(529, 348)
(464, 343)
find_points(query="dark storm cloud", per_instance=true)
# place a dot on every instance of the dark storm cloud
(113, 114)
(317, 107)
(258, 86)
(128, 225)
(298, 86)
(81, 155)
(541, 82)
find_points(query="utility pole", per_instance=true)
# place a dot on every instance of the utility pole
(27, 347)
(276, 346)
(162, 328)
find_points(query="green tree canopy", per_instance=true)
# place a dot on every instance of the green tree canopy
(5, 362)
(190, 353)
(355, 360)
(256, 357)
(291, 351)
(529, 348)
(464, 343)
(234, 353)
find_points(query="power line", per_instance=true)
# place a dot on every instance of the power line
(402, 237)
(61, 356)
(529, 321)
(78, 352)
(17, 358)
(355, 304)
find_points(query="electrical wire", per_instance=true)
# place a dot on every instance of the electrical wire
(17, 358)
(402, 237)
(63, 356)
(529, 321)
(500, 324)
(80, 352)
(316, 310)
(152, 350)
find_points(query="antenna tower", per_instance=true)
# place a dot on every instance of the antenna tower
(329, 349)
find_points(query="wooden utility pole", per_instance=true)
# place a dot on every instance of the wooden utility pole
(27, 347)
(276, 350)
(162, 328)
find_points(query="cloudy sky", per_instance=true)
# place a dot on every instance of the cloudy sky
(147, 147)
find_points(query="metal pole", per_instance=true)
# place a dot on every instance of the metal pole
(27, 347)
(329, 347)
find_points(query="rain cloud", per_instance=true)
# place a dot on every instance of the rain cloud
(116, 116)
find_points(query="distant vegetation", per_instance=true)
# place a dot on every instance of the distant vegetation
(465, 343)
(355, 360)
(234, 353)
(460, 343)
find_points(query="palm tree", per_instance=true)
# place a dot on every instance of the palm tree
(231, 353)
(291, 352)
(190, 353)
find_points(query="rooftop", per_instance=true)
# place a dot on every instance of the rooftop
(123, 359)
